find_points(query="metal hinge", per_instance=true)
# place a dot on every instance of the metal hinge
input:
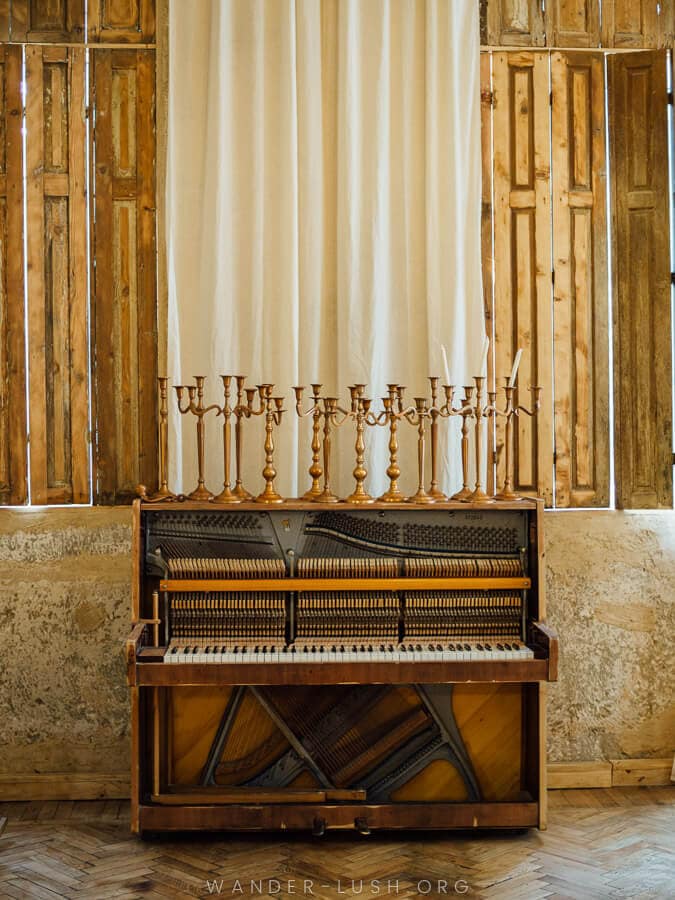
(550, 98)
(552, 276)
(672, 277)
(487, 97)
(670, 98)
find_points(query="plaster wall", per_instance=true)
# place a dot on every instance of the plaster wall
(64, 613)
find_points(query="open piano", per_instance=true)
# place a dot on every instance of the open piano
(313, 666)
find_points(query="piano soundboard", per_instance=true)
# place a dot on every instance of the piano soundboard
(419, 632)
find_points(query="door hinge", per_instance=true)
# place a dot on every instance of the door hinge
(487, 97)
(670, 98)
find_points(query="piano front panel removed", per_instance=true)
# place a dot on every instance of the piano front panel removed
(315, 668)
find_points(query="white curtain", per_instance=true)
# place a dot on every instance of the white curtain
(323, 213)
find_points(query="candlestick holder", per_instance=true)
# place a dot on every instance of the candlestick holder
(331, 413)
(392, 417)
(197, 409)
(418, 416)
(465, 411)
(271, 408)
(240, 413)
(435, 415)
(163, 492)
(478, 495)
(227, 495)
(510, 412)
(315, 470)
(360, 407)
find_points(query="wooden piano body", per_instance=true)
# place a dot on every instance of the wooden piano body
(328, 666)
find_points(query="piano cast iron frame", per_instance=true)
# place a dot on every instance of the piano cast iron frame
(149, 682)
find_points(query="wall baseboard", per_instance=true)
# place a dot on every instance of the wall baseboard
(590, 774)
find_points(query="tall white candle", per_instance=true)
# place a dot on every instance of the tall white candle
(445, 365)
(483, 359)
(514, 370)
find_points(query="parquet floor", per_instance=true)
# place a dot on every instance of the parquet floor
(600, 844)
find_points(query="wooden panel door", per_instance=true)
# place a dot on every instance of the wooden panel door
(121, 21)
(633, 23)
(573, 23)
(580, 308)
(522, 256)
(13, 436)
(47, 21)
(641, 253)
(515, 23)
(57, 274)
(486, 236)
(125, 280)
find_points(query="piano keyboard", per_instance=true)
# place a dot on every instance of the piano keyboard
(224, 652)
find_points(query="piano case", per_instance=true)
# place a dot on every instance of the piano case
(313, 666)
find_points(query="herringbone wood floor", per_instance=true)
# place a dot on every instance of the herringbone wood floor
(600, 844)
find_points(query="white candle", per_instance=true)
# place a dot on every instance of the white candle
(483, 359)
(514, 370)
(445, 365)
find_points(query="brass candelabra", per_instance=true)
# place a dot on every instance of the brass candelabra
(197, 409)
(272, 408)
(465, 410)
(510, 412)
(227, 495)
(418, 416)
(315, 411)
(163, 492)
(480, 413)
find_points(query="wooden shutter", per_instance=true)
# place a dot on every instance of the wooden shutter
(486, 234)
(49, 21)
(633, 23)
(13, 437)
(573, 23)
(57, 275)
(580, 308)
(121, 21)
(522, 255)
(4, 20)
(515, 23)
(125, 280)
(641, 254)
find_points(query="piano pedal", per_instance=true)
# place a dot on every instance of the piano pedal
(318, 827)
(362, 825)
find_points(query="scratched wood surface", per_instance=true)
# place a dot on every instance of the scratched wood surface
(13, 475)
(57, 278)
(124, 305)
(522, 257)
(573, 23)
(515, 23)
(46, 21)
(121, 21)
(642, 325)
(580, 293)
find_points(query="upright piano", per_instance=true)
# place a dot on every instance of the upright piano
(322, 666)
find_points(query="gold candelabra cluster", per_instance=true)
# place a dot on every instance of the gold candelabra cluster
(425, 414)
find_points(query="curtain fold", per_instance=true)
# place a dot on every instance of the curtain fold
(323, 213)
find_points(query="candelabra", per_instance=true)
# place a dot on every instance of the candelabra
(478, 495)
(199, 410)
(510, 412)
(163, 493)
(465, 411)
(418, 416)
(391, 416)
(315, 470)
(435, 414)
(227, 495)
(272, 408)
(240, 413)
(360, 408)
(331, 412)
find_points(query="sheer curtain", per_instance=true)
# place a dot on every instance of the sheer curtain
(323, 211)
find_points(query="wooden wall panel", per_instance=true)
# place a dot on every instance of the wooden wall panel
(642, 316)
(4, 19)
(573, 23)
(125, 302)
(13, 436)
(50, 21)
(57, 274)
(522, 255)
(580, 308)
(634, 23)
(121, 21)
(515, 23)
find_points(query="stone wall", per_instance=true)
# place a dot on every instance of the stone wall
(64, 612)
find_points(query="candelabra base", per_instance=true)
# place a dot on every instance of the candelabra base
(327, 496)
(479, 496)
(438, 496)
(226, 496)
(464, 494)
(421, 496)
(394, 496)
(269, 495)
(358, 498)
(200, 493)
(508, 495)
(241, 492)
(312, 494)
